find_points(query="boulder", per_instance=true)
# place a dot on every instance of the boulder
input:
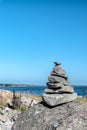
(57, 99)
(5, 97)
(70, 116)
(25, 101)
(7, 118)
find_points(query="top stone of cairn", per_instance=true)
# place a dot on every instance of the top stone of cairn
(57, 63)
(58, 70)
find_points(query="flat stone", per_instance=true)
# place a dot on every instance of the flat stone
(60, 75)
(57, 99)
(59, 70)
(54, 79)
(64, 89)
(54, 85)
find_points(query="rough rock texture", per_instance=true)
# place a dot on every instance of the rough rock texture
(54, 99)
(59, 70)
(60, 75)
(8, 115)
(5, 96)
(7, 118)
(64, 89)
(69, 116)
(59, 80)
(54, 85)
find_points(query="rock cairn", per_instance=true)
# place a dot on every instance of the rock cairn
(59, 90)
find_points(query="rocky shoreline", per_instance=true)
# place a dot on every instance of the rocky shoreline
(45, 117)
(9, 112)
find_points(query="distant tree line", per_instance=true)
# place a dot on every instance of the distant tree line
(5, 84)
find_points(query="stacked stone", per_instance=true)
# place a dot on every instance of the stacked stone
(59, 90)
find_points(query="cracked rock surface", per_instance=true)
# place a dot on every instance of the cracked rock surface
(69, 116)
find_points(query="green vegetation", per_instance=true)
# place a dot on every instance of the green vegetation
(14, 100)
(82, 99)
(17, 103)
(2, 104)
(21, 108)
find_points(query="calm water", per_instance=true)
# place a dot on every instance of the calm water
(81, 90)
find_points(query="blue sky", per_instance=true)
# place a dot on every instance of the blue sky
(34, 34)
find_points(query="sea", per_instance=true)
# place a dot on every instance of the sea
(38, 90)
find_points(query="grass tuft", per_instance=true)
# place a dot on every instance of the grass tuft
(82, 99)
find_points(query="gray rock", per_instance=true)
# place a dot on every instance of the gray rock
(64, 89)
(59, 75)
(57, 63)
(57, 99)
(69, 116)
(10, 104)
(54, 79)
(54, 85)
(59, 70)
(8, 118)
